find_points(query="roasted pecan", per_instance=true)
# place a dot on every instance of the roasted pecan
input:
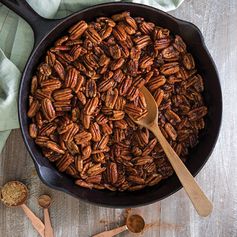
(142, 41)
(119, 33)
(197, 113)
(128, 29)
(111, 97)
(117, 115)
(179, 44)
(136, 179)
(34, 107)
(82, 137)
(156, 82)
(106, 129)
(122, 124)
(48, 109)
(130, 21)
(105, 85)
(71, 132)
(83, 184)
(120, 16)
(95, 132)
(101, 119)
(95, 170)
(47, 129)
(71, 78)
(115, 65)
(99, 157)
(77, 30)
(142, 160)
(103, 142)
(45, 69)
(86, 152)
(142, 136)
(40, 94)
(146, 27)
(34, 85)
(81, 97)
(112, 172)
(162, 43)
(63, 94)
(133, 93)
(125, 85)
(86, 120)
(170, 54)
(133, 110)
(58, 67)
(169, 68)
(120, 103)
(188, 61)
(149, 147)
(145, 62)
(54, 147)
(92, 34)
(41, 141)
(139, 82)
(33, 130)
(91, 105)
(51, 85)
(91, 88)
(170, 131)
(72, 147)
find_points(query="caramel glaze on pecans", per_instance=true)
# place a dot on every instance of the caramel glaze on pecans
(83, 91)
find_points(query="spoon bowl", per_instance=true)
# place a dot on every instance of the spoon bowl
(135, 223)
(152, 108)
(44, 201)
(14, 194)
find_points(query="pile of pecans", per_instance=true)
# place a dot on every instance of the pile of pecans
(87, 85)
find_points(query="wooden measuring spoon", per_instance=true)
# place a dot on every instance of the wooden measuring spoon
(45, 202)
(134, 223)
(201, 203)
(14, 194)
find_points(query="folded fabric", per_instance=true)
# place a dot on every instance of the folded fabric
(16, 41)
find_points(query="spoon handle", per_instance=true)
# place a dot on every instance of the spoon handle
(48, 227)
(36, 222)
(200, 202)
(111, 233)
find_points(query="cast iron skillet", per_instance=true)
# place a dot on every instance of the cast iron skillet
(47, 31)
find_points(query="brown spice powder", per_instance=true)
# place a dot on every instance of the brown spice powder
(13, 193)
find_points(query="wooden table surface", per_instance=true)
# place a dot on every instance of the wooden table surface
(175, 215)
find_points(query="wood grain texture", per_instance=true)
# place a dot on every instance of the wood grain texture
(174, 216)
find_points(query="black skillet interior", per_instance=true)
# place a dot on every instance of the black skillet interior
(47, 31)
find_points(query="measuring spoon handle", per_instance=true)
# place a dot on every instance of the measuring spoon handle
(111, 233)
(48, 227)
(36, 222)
(200, 201)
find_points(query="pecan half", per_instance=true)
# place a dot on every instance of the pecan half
(48, 109)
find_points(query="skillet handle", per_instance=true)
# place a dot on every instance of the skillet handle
(39, 24)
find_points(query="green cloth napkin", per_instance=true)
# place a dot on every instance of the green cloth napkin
(16, 42)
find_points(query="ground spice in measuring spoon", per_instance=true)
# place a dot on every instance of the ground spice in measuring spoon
(14, 193)
(135, 223)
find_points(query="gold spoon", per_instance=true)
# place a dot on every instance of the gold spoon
(45, 202)
(14, 194)
(201, 203)
(134, 223)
